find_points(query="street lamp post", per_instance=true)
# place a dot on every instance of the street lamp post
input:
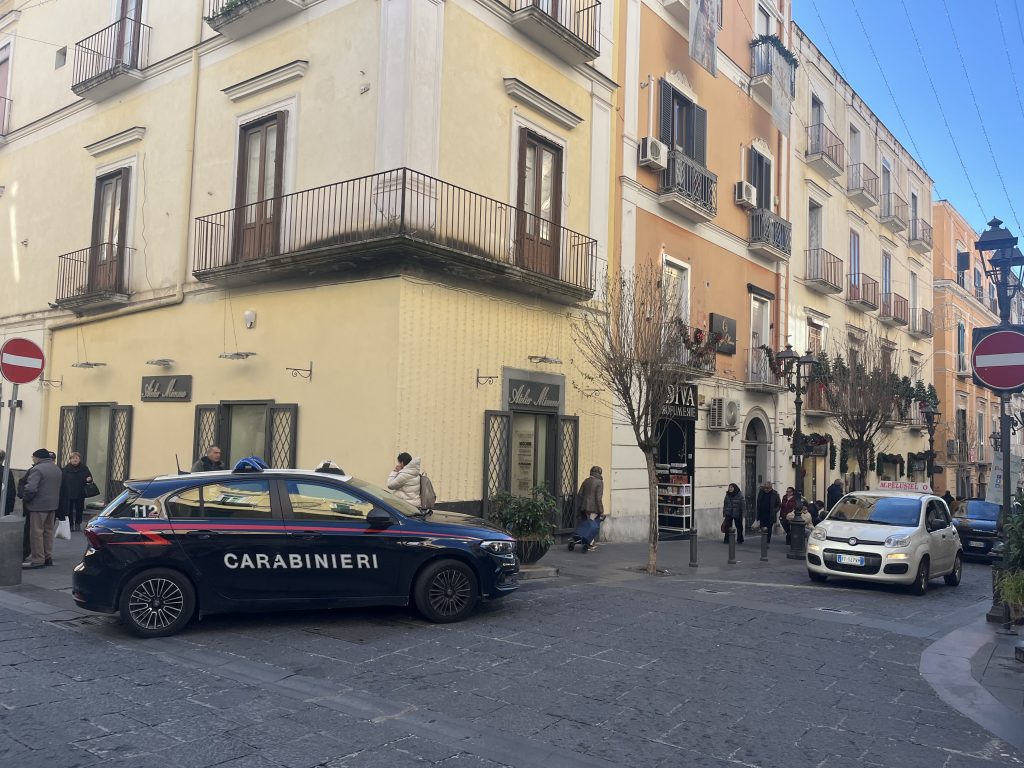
(1005, 258)
(931, 417)
(792, 367)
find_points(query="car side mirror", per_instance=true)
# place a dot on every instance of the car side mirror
(378, 518)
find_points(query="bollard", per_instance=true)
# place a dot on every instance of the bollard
(764, 545)
(797, 539)
(732, 546)
(693, 547)
(12, 531)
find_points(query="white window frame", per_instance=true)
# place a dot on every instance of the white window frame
(683, 268)
(766, 327)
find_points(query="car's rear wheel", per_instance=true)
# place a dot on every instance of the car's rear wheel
(953, 577)
(157, 603)
(920, 585)
(818, 577)
(446, 591)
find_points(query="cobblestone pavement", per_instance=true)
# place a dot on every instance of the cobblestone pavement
(749, 666)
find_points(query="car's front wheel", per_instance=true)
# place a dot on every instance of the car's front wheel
(953, 577)
(157, 603)
(920, 585)
(446, 591)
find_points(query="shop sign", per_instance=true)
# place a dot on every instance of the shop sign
(533, 395)
(904, 485)
(166, 389)
(681, 402)
(726, 327)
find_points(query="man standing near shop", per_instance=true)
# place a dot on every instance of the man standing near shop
(767, 507)
(40, 494)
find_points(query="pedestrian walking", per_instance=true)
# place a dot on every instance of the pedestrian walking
(404, 480)
(818, 511)
(40, 492)
(767, 506)
(8, 505)
(948, 498)
(834, 494)
(73, 491)
(789, 502)
(590, 507)
(732, 512)
(210, 462)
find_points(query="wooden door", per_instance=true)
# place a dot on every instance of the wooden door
(106, 262)
(260, 173)
(129, 32)
(540, 204)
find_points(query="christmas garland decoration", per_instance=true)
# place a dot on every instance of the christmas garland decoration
(700, 343)
(890, 458)
(912, 457)
(776, 42)
(844, 455)
(832, 454)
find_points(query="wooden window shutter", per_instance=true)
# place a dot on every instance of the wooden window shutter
(665, 121)
(698, 133)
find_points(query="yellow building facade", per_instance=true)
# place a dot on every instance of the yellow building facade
(309, 229)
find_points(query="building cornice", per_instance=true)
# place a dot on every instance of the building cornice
(116, 141)
(531, 97)
(270, 79)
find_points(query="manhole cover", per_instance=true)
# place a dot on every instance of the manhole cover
(835, 610)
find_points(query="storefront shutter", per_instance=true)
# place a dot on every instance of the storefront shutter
(209, 419)
(67, 436)
(119, 449)
(497, 455)
(566, 477)
(282, 432)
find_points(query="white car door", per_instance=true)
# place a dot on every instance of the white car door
(940, 536)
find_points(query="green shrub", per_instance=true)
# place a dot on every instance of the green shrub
(525, 517)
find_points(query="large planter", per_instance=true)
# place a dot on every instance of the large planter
(531, 550)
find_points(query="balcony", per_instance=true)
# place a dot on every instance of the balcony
(862, 185)
(688, 188)
(963, 366)
(770, 235)
(862, 291)
(921, 324)
(5, 118)
(571, 29)
(237, 18)
(699, 363)
(815, 402)
(993, 305)
(893, 212)
(915, 419)
(94, 278)
(895, 310)
(389, 219)
(110, 61)
(920, 235)
(825, 151)
(764, 59)
(824, 271)
(759, 376)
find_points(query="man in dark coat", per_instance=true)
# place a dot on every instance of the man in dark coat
(835, 493)
(210, 462)
(767, 506)
(590, 502)
(8, 505)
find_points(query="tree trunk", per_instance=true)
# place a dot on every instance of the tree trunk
(862, 464)
(652, 533)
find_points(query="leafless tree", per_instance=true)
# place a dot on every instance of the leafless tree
(632, 342)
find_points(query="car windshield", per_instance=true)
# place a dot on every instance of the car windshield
(978, 510)
(387, 497)
(878, 510)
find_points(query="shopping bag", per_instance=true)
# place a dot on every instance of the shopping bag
(64, 529)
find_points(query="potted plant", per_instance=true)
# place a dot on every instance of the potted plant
(528, 518)
(1011, 590)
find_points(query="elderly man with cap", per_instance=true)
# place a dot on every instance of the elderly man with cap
(40, 492)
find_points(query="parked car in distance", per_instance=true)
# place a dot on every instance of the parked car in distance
(975, 521)
(896, 537)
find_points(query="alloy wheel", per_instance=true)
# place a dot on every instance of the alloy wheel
(449, 592)
(156, 603)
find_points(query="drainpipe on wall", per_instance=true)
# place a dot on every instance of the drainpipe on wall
(179, 293)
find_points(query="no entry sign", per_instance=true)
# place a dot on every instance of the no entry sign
(21, 361)
(998, 358)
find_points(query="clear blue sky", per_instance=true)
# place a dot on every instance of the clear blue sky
(993, 55)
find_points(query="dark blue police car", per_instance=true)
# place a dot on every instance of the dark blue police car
(175, 547)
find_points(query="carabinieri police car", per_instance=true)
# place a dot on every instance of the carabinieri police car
(171, 548)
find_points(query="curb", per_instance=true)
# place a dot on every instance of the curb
(946, 665)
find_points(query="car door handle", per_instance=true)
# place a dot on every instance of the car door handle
(412, 543)
(201, 534)
(307, 535)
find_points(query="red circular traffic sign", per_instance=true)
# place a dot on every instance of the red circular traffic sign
(21, 361)
(998, 360)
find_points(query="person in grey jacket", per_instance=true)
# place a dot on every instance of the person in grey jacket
(40, 492)
(732, 510)
(590, 503)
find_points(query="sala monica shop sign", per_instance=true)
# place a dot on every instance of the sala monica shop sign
(160, 389)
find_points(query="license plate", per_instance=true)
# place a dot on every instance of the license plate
(850, 559)
(975, 543)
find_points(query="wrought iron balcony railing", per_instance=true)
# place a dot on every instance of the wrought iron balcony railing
(686, 177)
(814, 399)
(862, 180)
(762, 64)
(124, 45)
(861, 289)
(822, 141)
(759, 369)
(580, 18)
(373, 217)
(921, 232)
(894, 309)
(921, 323)
(825, 269)
(93, 272)
(894, 208)
(768, 229)
(700, 360)
(979, 293)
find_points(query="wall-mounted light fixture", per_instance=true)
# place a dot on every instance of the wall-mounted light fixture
(235, 355)
(52, 383)
(545, 359)
(88, 364)
(484, 379)
(161, 362)
(302, 373)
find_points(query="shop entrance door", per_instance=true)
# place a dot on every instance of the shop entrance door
(533, 452)
(750, 479)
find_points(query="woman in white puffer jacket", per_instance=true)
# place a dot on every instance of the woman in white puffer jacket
(404, 480)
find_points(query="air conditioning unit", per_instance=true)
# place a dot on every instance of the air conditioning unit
(723, 414)
(653, 153)
(745, 194)
(953, 447)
